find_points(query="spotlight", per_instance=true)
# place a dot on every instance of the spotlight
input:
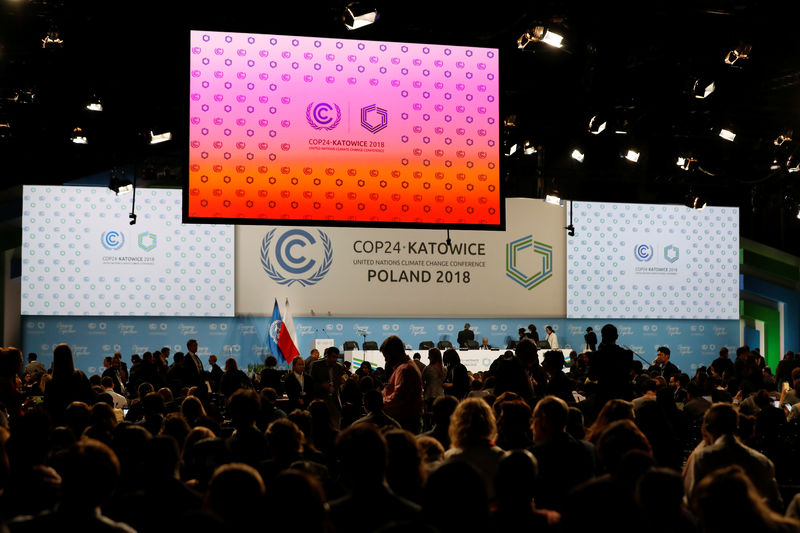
(552, 199)
(156, 138)
(95, 104)
(357, 16)
(728, 135)
(782, 138)
(511, 150)
(540, 34)
(686, 163)
(120, 186)
(52, 40)
(577, 155)
(632, 156)
(528, 148)
(695, 202)
(702, 88)
(742, 52)
(597, 125)
(78, 137)
(793, 164)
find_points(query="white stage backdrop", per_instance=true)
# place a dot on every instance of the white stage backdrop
(82, 257)
(394, 272)
(653, 261)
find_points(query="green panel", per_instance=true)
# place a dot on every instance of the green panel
(772, 330)
(769, 265)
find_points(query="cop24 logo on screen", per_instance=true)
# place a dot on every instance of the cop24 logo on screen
(293, 265)
(323, 116)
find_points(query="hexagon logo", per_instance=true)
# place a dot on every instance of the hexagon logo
(544, 261)
(671, 253)
(147, 241)
(374, 118)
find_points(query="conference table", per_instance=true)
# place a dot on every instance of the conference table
(475, 360)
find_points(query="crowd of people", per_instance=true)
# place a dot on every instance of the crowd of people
(535, 443)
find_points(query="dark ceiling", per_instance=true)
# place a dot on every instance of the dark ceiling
(632, 63)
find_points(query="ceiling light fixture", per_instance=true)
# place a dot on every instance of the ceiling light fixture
(632, 156)
(357, 16)
(528, 148)
(577, 155)
(540, 34)
(552, 199)
(156, 138)
(728, 135)
(120, 186)
(686, 163)
(695, 202)
(78, 137)
(784, 137)
(742, 52)
(597, 125)
(95, 104)
(702, 89)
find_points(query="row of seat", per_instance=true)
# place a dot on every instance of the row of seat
(424, 345)
(442, 345)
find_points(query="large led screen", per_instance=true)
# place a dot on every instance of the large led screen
(80, 255)
(342, 132)
(653, 261)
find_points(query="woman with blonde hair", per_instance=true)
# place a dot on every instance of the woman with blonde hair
(473, 430)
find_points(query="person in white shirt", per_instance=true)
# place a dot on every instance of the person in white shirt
(120, 401)
(551, 338)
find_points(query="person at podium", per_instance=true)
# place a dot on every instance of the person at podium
(465, 335)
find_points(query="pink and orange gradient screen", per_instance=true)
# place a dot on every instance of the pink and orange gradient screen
(321, 130)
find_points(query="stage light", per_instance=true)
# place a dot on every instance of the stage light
(78, 137)
(540, 34)
(798, 212)
(577, 155)
(95, 104)
(597, 125)
(742, 52)
(784, 137)
(686, 163)
(5, 130)
(52, 40)
(528, 148)
(552, 199)
(793, 164)
(511, 150)
(156, 138)
(695, 202)
(357, 16)
(120, 186)
(728, 135)
(702, 89)
(632, 156)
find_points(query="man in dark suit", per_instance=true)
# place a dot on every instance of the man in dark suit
(327, 375)
(610, 366)
(193, 373)
(662, 365)
(591, 339)
(465, 335)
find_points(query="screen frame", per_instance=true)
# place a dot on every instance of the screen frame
(187, 219)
